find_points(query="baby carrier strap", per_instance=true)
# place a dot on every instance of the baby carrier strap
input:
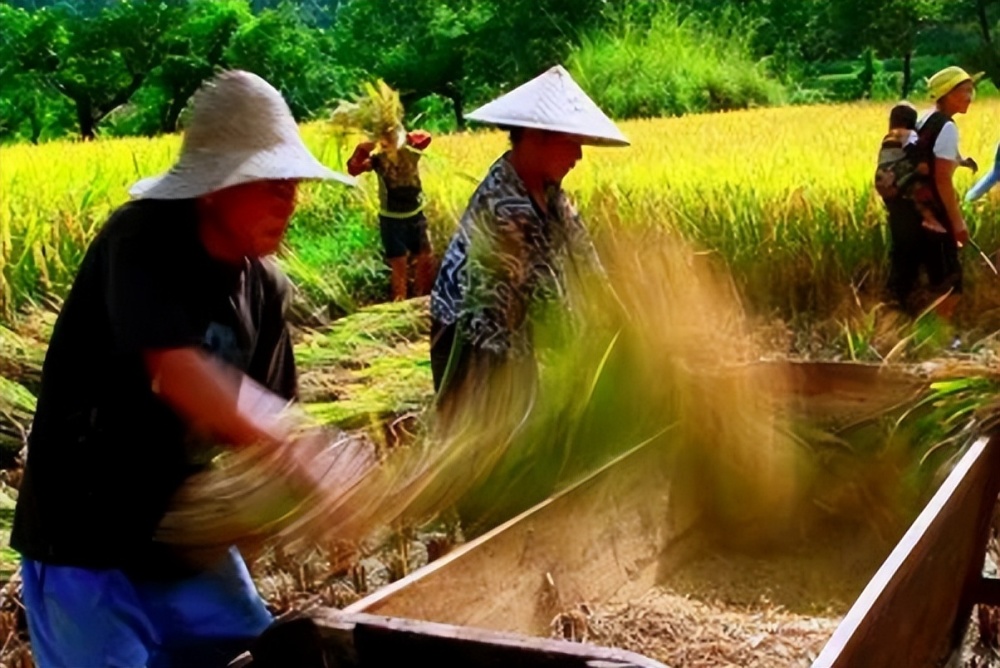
(929, 132)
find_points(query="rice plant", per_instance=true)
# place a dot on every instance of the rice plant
(782, 196)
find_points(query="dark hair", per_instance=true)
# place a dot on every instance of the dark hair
(515, 133)
(903, 115)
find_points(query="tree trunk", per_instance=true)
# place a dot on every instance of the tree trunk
(457, 100)
(85, 118)
(34, 117)
(178, 101)
(907, 73)
(984, 21)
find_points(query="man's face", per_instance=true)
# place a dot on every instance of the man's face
(559, 153)
(959, 99)
(254, 216)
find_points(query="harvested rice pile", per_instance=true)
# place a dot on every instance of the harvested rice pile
(727, 607)
(686, 633)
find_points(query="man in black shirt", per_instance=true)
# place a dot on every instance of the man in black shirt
(175, 305)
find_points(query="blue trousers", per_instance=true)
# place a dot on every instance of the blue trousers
(82, 618)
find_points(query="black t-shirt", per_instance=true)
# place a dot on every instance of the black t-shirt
(105, 454)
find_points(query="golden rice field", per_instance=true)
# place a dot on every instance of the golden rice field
(782, 195)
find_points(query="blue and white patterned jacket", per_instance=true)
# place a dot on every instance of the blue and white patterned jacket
(506, 259)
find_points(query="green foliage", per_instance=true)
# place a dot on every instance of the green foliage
(100, 62)
(27, 110)
(418, 47)
(297, 60)
(950, 417)
(193, 51)
(332, 253)
(675, 67)
(130, 67)
(461, 50)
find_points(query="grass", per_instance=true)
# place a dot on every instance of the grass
(17, 406)
(368, 366)
(9, 559)
(781, 196)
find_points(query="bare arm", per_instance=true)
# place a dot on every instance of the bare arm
(944, 170)
(202, 394)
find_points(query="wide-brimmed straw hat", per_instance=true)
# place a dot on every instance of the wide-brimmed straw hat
(241, 130)
(945, 81)
(553, 101)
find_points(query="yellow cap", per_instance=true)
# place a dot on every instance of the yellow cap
(947, 79)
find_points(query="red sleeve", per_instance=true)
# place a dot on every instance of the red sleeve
(419, 139)
(360, 160)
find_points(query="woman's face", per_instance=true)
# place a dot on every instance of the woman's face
(559, 154)
(958, 100)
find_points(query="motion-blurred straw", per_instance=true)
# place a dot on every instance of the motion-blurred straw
(663, 358)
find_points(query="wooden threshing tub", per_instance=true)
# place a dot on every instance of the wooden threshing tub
(487, 602)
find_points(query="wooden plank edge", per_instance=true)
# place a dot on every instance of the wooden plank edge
(486, 637)
(900, 554)
(348, 639)
(374, 599)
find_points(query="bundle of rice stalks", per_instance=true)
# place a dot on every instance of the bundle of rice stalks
(21, 358)
(657, 357)
(654, 351)
(665, 357)
(17, 408)
(377, 112)
(258, 495)
(956, 411)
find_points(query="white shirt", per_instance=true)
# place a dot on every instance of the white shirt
(946, 146)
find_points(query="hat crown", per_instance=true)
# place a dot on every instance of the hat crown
(238, 111)
(943, 82)
(552, 101)
(241, 130)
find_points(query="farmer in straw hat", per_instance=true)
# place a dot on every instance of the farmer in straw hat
(174, 306)
(519, 233)
(393, 154)
(914, 246)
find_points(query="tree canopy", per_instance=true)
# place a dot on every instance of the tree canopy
(131, 66)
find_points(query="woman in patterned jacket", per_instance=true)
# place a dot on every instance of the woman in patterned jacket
(519, 235)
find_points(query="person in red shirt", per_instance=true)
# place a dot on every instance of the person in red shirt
(395, 159)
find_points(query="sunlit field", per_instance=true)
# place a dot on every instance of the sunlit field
(783, 196)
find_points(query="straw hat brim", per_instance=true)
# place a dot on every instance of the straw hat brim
(212, 172)
(577, 136)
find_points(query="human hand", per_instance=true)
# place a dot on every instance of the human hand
(971, 164)
(360, 161)
(419, 139)
(962, 235)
